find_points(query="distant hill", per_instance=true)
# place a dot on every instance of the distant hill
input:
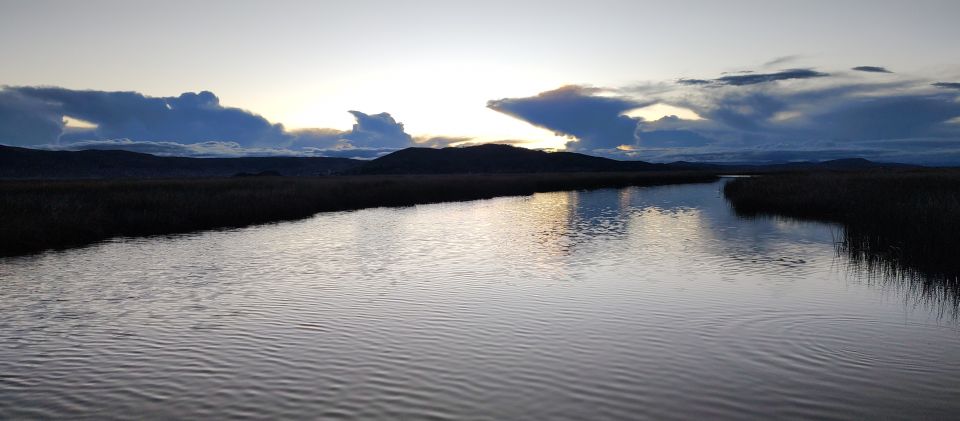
(846, 164)
(492, 158)
(854, 163)
(23, 163)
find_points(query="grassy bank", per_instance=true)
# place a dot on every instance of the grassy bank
(899, 223)
(41, 215)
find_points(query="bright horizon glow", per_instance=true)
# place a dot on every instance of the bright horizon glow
(439, 98)
(657, 111)
(76, 123)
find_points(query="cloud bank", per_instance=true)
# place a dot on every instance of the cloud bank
(762, 115)
(192, 124)
(576, 112)
(788, 115)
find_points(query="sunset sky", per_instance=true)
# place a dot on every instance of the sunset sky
(730, 81)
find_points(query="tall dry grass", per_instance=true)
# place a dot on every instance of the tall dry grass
(40, 215)
(901, 225)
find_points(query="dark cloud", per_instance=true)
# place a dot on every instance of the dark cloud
(745, 121)
(755, 78)
(871, 69)
(672, 138)
(192, 124)
(28, 121)
(893, 117)
(750, 78)
(189, 118)
(742, 110)
(948, 85)
(694, 81)
(582, 113)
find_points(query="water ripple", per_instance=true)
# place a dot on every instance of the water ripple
(641, 303)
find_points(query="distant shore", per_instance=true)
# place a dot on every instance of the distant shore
(59, 214)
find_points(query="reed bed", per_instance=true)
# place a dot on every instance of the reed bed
(901, 225)
(42, 215)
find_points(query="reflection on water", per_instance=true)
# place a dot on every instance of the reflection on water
(870, 261)
(610, 304)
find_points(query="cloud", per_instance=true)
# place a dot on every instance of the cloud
(683, 81)
(871, 69)
(750, 78)
(191, 124)
(209, 149)
(584, 114)
(893, 117)
(781, 60)
(216, 149)
(755, 78)
(188, 118)
(902, 151)
(315, 138)
(744, 119)
(948, 85)
(371, 131)
(442, 141)
(744, 116)
(353, 153)
(377, 130)
(26, 121)
(659, 134)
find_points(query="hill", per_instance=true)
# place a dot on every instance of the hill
(23, 163)
(492, 158)
(845, 164)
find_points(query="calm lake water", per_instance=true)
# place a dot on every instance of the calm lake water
(629, 303)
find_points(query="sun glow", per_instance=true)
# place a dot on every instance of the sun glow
(657, 111)
(76, 123)
(786, 116)
(430, 98)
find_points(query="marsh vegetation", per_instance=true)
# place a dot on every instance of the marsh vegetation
(40, 215)
(896, 224)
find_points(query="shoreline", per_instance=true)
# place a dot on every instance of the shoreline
(41, 215)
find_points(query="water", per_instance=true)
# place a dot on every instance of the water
(611, 304)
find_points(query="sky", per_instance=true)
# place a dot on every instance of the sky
(730, 81)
